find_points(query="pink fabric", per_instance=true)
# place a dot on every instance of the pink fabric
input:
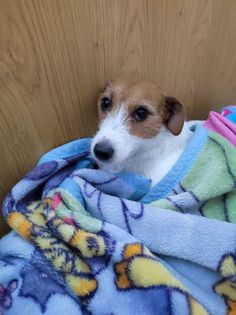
(226, 112)
(220, 124)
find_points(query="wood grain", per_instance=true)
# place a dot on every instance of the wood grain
(55, 56)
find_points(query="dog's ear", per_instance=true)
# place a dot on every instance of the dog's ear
(174, 118)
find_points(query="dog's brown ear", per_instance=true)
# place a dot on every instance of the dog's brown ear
(174, 119)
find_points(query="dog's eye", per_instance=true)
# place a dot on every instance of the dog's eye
(105, 104)
(140, 114)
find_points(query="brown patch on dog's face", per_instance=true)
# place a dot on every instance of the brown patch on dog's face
(147, 107)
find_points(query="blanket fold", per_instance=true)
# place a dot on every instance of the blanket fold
(89, 242)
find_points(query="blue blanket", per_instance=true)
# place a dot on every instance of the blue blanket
(89, 242)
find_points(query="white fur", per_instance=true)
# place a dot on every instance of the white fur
(152, 158)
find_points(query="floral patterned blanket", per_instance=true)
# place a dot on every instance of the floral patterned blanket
(89, 242)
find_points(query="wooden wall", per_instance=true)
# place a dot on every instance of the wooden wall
(56, 54)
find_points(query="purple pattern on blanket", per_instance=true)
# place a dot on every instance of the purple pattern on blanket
(5, 295)
(42, 170)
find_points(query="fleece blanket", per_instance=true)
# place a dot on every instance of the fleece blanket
(89, 242)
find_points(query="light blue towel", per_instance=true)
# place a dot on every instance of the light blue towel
(90, 242)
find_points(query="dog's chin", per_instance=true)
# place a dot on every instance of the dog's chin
(111, 167)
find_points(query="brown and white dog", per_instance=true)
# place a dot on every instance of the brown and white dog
(140, 129)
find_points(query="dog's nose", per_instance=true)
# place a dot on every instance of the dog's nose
(103, 151)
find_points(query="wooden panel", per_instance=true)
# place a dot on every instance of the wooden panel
(56, 54)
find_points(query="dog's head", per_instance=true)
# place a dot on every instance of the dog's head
(132, 113)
